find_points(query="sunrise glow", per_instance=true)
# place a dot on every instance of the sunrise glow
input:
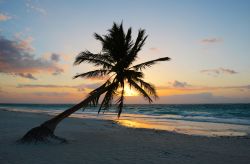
(130, 92)
(209, 51)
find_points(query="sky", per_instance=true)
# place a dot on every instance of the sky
(208, 42)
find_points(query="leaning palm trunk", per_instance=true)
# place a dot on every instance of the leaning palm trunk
(45, 132)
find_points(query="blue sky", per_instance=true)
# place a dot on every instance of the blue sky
(208, 41)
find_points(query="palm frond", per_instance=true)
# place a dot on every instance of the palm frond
(131, 74)
(96, 59)
(149, 63)
(117, 43)
(140, 38)
(93, 74)
(136, 47)
(102, 89)
(128, 41)
(107, 100)
(99, 37)
(140, 45)
(140, 90)
(149, 88)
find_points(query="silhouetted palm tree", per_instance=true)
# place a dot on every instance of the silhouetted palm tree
(115, 62)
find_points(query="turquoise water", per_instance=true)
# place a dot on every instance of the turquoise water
(216, 113)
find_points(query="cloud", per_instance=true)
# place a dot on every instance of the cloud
(24, 44)
(51, 93)
(55, 57)
(191, 88)
(4, 17)
(227, 71)
(43, 86)
(103, 78)
(16, 58)
(218, 71)
(58, 71)
(154, 49)
(35, 7)
(93, 86)
(81, 87)
(211, 40)
(178, 84)
(27, 75)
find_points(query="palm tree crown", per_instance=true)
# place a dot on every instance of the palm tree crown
(115, 61)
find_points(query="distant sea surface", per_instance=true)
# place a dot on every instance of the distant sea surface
(216, 113)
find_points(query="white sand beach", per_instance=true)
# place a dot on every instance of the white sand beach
(94, 141)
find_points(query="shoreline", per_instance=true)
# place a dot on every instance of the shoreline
(140, 121)
(98, 141)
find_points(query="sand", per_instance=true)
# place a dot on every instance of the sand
(102, 141)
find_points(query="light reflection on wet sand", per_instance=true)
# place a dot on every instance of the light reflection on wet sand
(189, 127)
(158, 123)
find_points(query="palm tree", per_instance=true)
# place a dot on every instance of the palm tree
(115, 61)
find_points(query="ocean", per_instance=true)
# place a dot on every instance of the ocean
(233, 117)
(218, 113)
